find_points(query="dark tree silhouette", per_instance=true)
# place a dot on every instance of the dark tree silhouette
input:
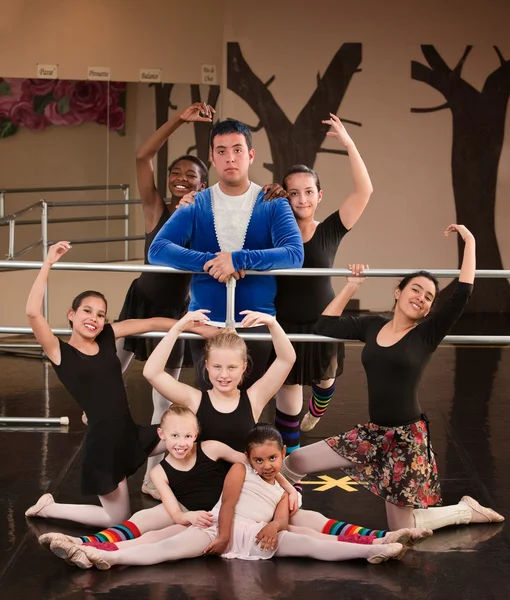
(201, 131)
(298, 142)
(162, 98)
(478, 132)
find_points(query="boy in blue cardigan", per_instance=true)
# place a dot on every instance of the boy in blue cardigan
(227, 230)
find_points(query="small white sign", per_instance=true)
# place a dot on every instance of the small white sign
(208, 74)
(47, 71)
(150, 75)
(98, 73)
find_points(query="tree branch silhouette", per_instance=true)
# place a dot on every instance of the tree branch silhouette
(478, 133)
(298, 142)
(431, 109)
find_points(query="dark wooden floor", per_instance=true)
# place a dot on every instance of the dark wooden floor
(465, 392)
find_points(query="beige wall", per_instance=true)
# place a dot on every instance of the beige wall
(126, 35)
(408, 155)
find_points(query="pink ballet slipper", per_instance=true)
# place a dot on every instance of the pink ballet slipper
(490, 515)
(46, 539)
(44, 501)
(387, 551)
(71, 553)
(93, 555)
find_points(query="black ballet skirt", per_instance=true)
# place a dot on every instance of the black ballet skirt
(114, 447)
(156, 295)
(300, 301)
(315, 361)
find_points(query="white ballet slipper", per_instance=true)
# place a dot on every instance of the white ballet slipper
(44, 501)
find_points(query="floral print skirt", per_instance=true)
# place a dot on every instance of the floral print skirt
(395, 463)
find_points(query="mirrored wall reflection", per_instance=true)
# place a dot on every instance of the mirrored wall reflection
(84, 134)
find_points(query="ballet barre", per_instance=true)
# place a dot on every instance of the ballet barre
(132, 268)
(474, 340)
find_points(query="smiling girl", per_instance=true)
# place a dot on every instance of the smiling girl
(114, 447)
(391, 455)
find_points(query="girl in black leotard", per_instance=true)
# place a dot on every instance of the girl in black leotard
(300, 300)
(161, 294)
(115, 447)
(225, 413)
(391, 454)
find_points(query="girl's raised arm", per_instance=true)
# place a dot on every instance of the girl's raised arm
(468, 267)
(266, 387)
(152, 203)
(352, 208)
(154, 369)
(36, 320)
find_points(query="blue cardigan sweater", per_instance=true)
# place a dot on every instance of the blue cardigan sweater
(188, 240)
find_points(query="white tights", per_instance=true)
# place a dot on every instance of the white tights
(192, 543)
(115, 507)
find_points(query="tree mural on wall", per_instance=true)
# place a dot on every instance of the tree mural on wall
(478, 132)
(297, 142)
(162, 97)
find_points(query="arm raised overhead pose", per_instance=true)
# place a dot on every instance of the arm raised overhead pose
(226, 413)
(161, 294)
(395, 354)
(318, 364)
(88, 367)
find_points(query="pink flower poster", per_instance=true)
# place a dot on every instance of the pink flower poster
(39, 103)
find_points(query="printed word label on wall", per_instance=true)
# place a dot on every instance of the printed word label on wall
(99, 73)
(150, 75)
(47, 71)
(208, 74)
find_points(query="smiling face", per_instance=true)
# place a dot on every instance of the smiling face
(267, 459)
(179, 433)
(225, 367)
(416, 299)
(184, 177)
(89, 318)
(304, 196)
(231, 158)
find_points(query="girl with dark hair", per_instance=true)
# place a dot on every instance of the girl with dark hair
(249, 522)
(317, 364)
(161, 294)
(391, 455)
(88, 366)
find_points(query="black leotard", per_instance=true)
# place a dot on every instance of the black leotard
(394, 372)
(200, 487)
